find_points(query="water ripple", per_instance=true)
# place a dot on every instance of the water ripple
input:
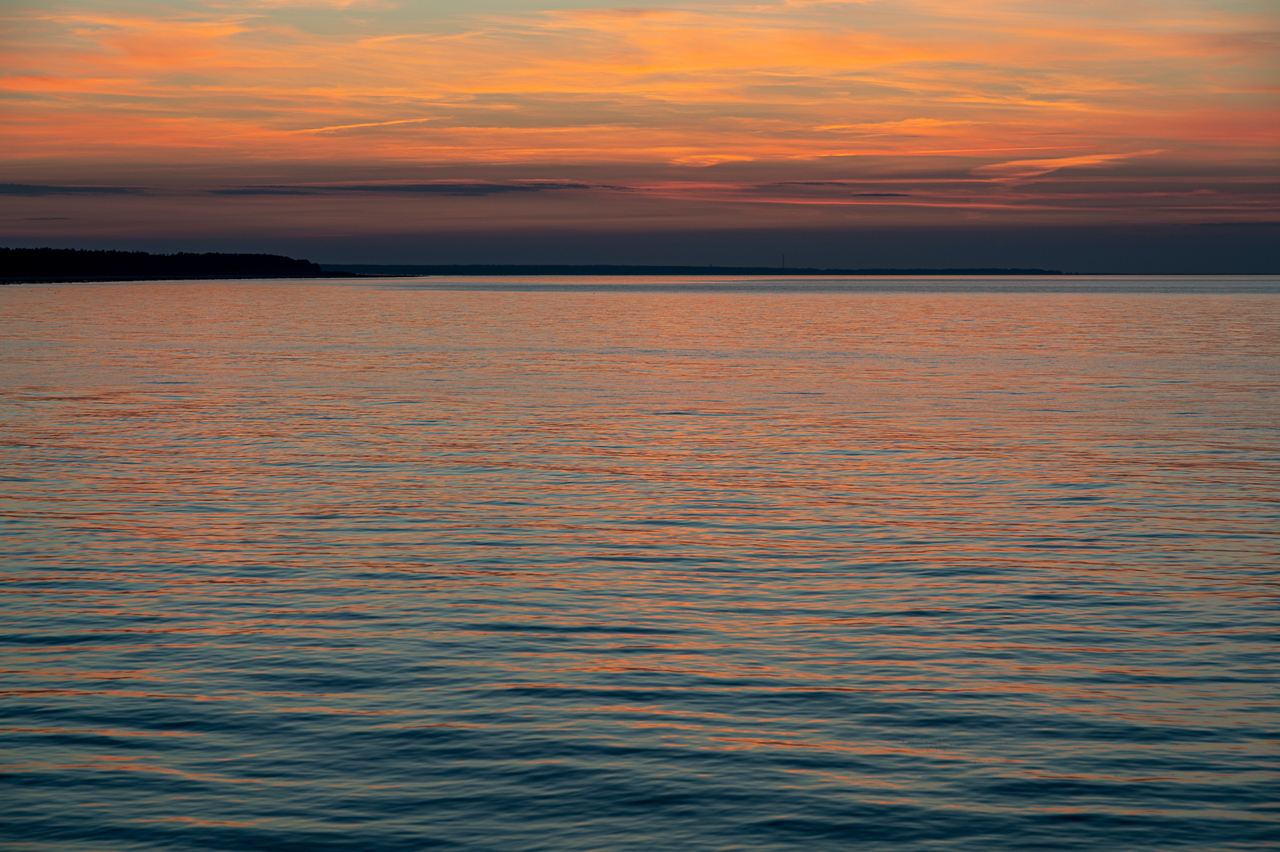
(392, 567)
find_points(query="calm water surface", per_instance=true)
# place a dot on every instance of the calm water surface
(399, 566)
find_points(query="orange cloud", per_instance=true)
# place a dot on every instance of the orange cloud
(951, 87)
(157, 42)
(1022, 169)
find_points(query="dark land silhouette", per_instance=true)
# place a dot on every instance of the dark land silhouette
(49, 264)
(607, 269)
(53, 265)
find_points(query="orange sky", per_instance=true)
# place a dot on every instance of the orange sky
(353, 116)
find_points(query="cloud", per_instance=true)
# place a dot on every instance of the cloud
(919, 126)
(1238, 224)
(453, 188)
(141, 41)
(261, 190)
(241, 91)
(35, 190)
(337, 127)
(704, 85)
(303, 4)
(704, 160)
(1023, 169)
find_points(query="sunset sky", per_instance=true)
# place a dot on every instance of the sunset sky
(844, 133)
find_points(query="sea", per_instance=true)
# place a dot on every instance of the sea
(641, 564)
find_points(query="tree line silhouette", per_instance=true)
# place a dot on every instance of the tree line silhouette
(51, 263)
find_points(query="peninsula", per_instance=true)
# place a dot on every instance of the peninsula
(53, 265)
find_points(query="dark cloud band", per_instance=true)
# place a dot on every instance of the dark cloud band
(455, 189)
(34, 190)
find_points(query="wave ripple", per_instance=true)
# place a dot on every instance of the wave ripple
(326, 567)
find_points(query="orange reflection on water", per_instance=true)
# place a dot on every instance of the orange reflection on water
(936, 542)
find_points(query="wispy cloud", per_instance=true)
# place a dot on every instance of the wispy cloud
(36, 190)
(770, 91)
(696, 86)
(1023, 169)
(261, 190)
(453, 188)
(365, 124)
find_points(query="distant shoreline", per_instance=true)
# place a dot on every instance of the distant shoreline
(342, 275)
(70, 266)
(51, 266)
(561, 272)
(640, 270)
(528, 271)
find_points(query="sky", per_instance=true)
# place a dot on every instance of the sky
(1093, 136)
